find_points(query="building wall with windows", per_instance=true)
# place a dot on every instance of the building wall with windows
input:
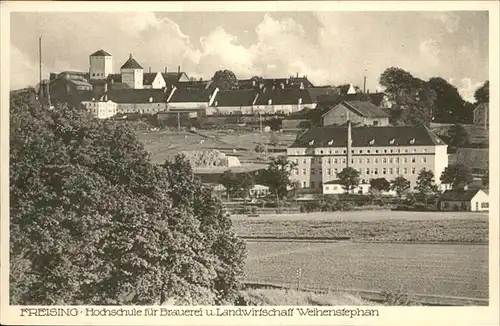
(101, 109)
(317, 165)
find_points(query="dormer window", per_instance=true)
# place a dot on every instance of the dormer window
(372, 141)
(300, 100)
(151, 100)
(412, 141)
(216, 103)
(270, 102)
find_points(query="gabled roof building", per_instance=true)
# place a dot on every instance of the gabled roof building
(358, 112)
(376, 152)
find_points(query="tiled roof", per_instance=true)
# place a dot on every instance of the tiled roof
(131, 64)
(136, 95)
(290, 82)
(100, 53)
(171, 78)
(244, 97)
(196, 84)
(284, 96)
(365, 109)
(318, 93)
(182, 95)
(365, 136)
(459, 195)
(148, 78)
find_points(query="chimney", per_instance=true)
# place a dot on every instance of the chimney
(349, 141)
(297, 75)
(179, 69)
(364, 84)
(149, 69)
(130, 57)
(166, 70)
(105, 92)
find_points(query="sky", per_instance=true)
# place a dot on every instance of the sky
(330, 48)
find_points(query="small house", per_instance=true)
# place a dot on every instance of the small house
(474, 200)
(362, 112)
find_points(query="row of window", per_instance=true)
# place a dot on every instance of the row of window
(94, 74)
(367, 160)
(368, 151)
(367, 171)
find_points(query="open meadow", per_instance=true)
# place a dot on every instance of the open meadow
(163, 145)
(375, 226)
(414, 269)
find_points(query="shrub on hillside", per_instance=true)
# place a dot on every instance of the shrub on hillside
(93, 222)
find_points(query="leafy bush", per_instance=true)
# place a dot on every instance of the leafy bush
(93, 222)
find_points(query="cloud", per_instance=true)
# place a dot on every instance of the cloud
(467, 87)
(450, 21)
(430, 51)
(329, 47)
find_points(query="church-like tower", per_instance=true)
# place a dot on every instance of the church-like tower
(132, 73)
(101, 65)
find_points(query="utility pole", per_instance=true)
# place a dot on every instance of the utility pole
(40, 54)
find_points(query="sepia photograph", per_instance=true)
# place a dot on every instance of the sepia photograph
(301, 160)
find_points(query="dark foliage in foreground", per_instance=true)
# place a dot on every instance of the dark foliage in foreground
(92, 221)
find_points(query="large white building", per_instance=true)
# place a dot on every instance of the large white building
(376, 152)
(101, 65)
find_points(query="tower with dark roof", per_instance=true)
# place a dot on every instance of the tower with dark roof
(101, 65)
(132, 73)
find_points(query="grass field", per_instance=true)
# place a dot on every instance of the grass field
(445, 270)
(165, 145)
(376, 226)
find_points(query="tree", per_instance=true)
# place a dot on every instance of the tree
(348, 178)
(458, 136)
(457, 175)
(93, 222)
(225, 80)
(482, 94)
(426, 187)
(413, 97)
(277, 176)
(486, 179)
(449, 105)
(400, 185)
(379, 185)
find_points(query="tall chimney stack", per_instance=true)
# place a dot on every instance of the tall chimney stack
(349, 141)
(166, 70)
(179, 69)
(364, 85)
(40, 53)
(149, 69)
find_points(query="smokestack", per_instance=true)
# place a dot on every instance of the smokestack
(166, 71)
(364, 85)
(179, 69)
(40, 53)
(149, 69)
(349, 140)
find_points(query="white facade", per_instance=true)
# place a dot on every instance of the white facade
(337, 189)
(158, 82)
(148, 108)
(101, 109)
(479, 203)
(132, 77)
(281, 108)
(101, 67)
